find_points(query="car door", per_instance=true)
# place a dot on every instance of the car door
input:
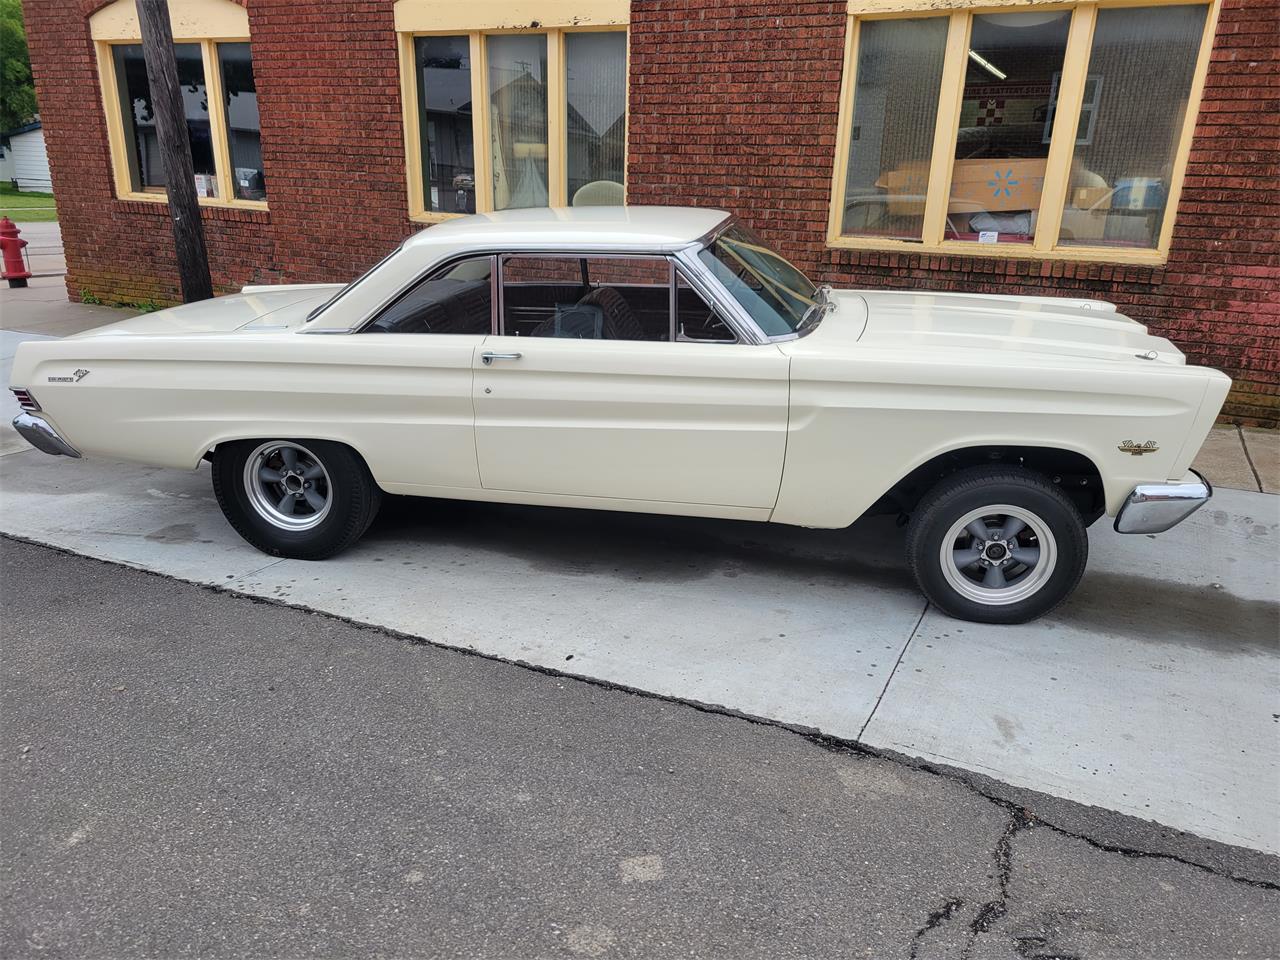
(589, 403)
(412, 371)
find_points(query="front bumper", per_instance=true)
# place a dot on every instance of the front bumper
(1155, 507)
(38, 432)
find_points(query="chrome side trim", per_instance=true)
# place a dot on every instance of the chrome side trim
(1156, 507)
(40, 434)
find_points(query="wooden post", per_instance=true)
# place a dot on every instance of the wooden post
(175, 149)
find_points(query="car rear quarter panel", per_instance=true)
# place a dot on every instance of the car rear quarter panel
(404, 403)
(863, 421)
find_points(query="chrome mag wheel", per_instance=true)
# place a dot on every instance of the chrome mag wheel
(998, 554)
(287, 485)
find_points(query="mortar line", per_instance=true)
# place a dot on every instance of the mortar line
(897, 663)
(1244, 445)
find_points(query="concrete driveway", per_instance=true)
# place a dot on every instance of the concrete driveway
(1151, 693)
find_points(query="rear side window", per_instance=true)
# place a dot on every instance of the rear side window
(457, 300)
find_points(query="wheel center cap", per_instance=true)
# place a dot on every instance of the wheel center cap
(996, 551)
(293, 483)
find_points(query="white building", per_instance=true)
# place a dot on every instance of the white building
(23, 160)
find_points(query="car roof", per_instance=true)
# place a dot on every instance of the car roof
(657, 227)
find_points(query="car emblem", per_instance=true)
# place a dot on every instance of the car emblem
(74, 378)
(1138, 449)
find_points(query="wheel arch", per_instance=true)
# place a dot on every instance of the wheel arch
(301, 436)
(1073, 470)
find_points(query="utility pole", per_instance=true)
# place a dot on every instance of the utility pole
(175, 149)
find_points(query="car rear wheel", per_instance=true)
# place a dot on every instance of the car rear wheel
(997, 545)
(304, 499)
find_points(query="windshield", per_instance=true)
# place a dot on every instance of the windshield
(780, 298)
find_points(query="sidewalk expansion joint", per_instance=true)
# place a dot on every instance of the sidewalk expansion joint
(1244, 445)
(1021, 817)
(889, 679)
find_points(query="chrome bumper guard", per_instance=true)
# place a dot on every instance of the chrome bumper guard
(38, 432)
(1155, 507)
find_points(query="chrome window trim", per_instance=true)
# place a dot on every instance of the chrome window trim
(718, 297)
(705, 242)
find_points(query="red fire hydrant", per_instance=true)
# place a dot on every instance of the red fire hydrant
(15, 262)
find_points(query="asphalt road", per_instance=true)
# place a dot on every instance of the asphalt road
(187, 772)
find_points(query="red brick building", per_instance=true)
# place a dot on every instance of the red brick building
(898, 143)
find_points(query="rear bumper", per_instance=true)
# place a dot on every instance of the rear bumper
(1155, 507)
(38, 432)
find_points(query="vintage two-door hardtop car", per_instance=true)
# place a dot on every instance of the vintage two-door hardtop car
(661, 360)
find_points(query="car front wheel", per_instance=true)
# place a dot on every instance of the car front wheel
(306, 500)
(997, 545)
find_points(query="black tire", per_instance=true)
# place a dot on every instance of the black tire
(1063, 549)
(351, 494)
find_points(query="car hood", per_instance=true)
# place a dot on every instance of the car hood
(1001, 327)
(266, 309)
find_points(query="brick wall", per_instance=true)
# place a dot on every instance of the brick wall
(735, 105)
(332, 145)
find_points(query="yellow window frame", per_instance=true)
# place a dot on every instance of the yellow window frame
(1071, 88)
(557, 113)
(203, 22)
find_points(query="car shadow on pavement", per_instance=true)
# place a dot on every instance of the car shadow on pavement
(650, 547)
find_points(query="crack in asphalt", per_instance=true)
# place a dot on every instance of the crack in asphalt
(934, 920)
(993, 911)
(1020, 818)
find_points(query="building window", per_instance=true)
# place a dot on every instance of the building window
(549, 128)
(219, 95)
(1058, 133)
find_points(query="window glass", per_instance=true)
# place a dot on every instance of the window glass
(1140, 73)
(596, 116)
(895, 105)
(1001, 149)
(696, 321)
(444, 122)
(244, 130)
(775, 293)
(142, 146)
(587, 298)
(518, 122)
(459, 300)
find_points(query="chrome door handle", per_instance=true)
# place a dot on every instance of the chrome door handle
(487, 358)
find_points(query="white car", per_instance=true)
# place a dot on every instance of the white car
(661, 360)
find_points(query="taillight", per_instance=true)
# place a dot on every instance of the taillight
(25, 400)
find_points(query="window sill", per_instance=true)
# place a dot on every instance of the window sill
(434, 217)
(157, 204)
(203, 201)
(1003, 251)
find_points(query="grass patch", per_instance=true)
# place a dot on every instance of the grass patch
(26, 207)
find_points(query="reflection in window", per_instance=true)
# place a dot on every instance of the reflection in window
(1001, 150)
(899, 74)
(1141, 66)
(142, 146)
(596, 116)
(444, 105)
(518, 123)
(457, 301)
(244, 129)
